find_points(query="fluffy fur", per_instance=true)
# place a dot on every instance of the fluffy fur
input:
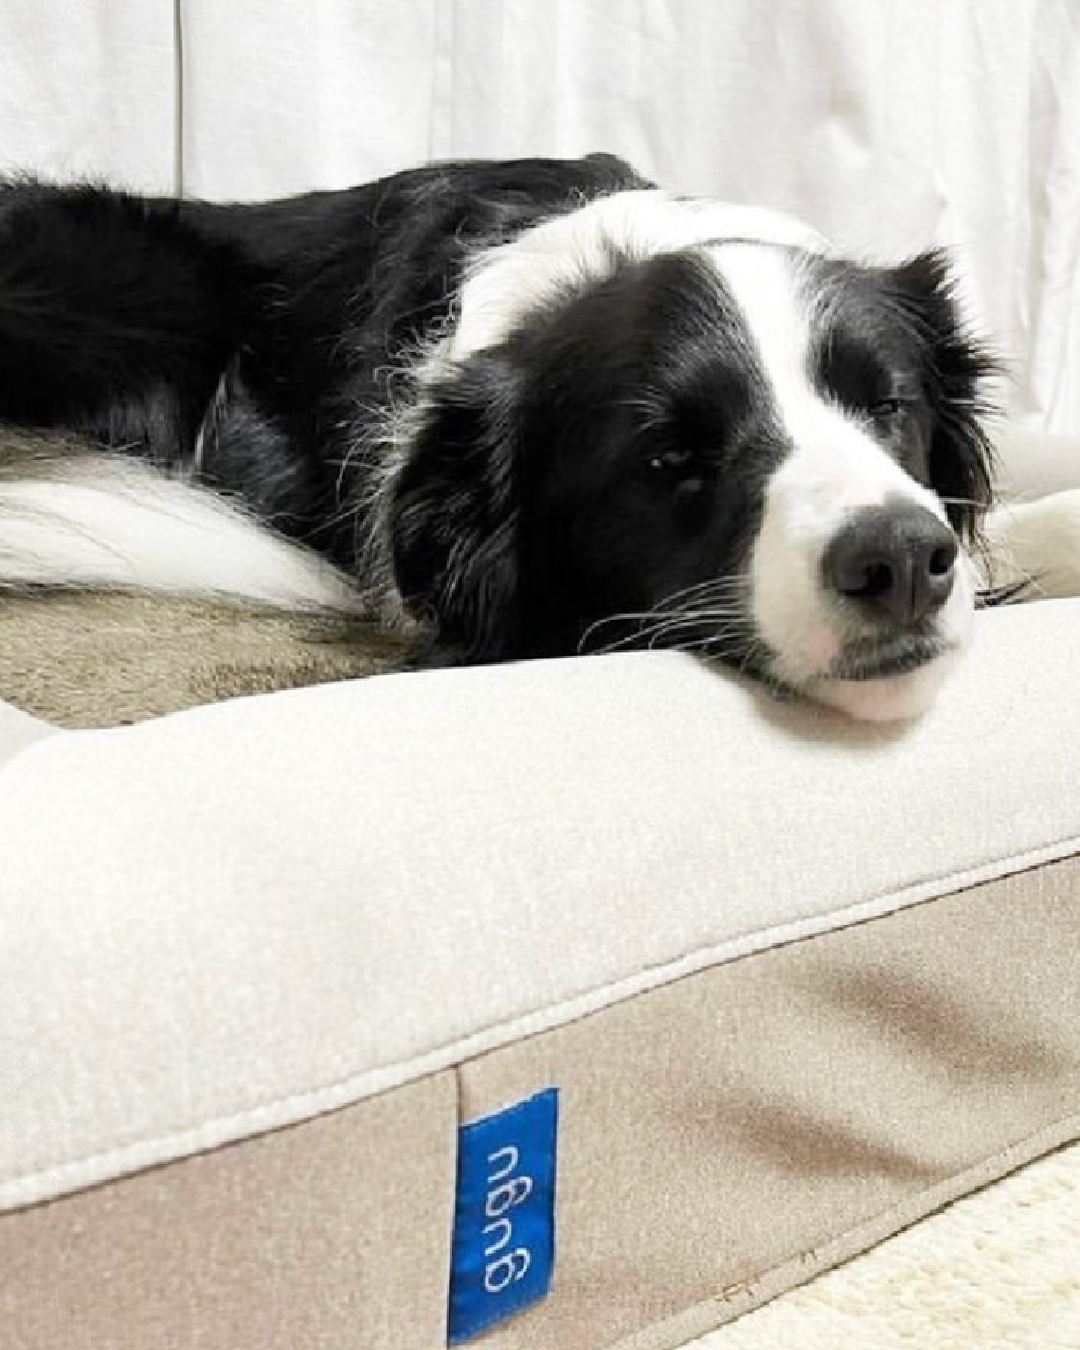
(532, 408)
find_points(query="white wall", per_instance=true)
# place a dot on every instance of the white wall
(890, 124)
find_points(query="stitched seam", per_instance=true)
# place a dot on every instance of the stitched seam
(914, 1209)
(1069, 1122)
(431, 1062)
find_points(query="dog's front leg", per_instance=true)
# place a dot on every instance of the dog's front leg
(1033, 548)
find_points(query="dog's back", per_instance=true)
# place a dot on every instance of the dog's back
(252, 351)
(191, 331)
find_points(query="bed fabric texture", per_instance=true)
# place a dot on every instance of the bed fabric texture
(256, 971)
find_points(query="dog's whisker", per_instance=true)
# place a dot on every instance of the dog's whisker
(729, 589)
(963, 501)
(710, 584)
(705, 627)
(725, 591)
(644, 621)
(606, 621)
(677, 623)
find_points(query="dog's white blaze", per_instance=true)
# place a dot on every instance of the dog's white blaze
(110, 522)
(834, 467)
(569, 251)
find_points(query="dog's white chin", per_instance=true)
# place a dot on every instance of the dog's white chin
(896, 698)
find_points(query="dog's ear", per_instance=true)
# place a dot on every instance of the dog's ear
(957, 371)
(454, 514)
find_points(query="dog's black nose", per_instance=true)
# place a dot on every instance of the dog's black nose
(897, 562)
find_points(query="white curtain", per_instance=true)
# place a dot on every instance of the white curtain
(890, 124)
(89, 88)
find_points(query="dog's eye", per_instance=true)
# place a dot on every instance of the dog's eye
(885, 409)
(672, 461)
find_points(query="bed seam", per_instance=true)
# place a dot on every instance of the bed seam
(265, 1116)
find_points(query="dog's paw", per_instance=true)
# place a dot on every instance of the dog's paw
(1034, 547)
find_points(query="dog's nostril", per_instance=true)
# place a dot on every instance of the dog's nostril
(895, 562)
(942, 559)
(878, 580)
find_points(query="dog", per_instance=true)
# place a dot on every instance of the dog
(528, 409)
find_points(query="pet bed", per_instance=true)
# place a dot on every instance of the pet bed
(754, 987)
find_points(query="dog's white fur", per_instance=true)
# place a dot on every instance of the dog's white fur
(508, 283)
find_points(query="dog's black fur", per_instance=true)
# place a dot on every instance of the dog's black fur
(126, 318)
(610, 453)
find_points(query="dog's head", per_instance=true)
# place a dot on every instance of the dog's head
(738, 446)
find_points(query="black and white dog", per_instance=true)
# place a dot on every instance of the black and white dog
(535, 407)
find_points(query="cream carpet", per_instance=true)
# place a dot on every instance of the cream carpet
(998, 1270)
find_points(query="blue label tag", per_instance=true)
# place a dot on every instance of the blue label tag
(503, 1251)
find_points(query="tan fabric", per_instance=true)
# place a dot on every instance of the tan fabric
(93, 660)
(721, 1139)
(995, 1270)
(331, 1235)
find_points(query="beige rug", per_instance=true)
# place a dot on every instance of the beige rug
(998, 1270)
